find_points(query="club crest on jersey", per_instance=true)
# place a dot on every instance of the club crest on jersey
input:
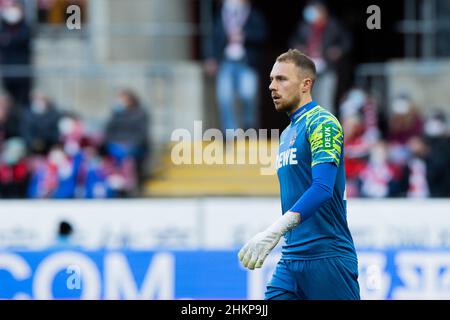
(293, 138)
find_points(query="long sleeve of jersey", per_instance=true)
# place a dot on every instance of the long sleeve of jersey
(326, 139)
(321, 190)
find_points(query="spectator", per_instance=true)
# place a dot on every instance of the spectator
(438, 161)
(94, 175)
(72, 133)
(126, 135)
(360, 119)
(45, 174)
(235, 50)
(382, 178)
(15, 50)
(376, 176)
(55, 176)
(405, 122)
(40, 125)
(14, 169)
(418, 186)
(325, 40)
(358, 103)
(67, 170)
(356, 153)
(102, 177)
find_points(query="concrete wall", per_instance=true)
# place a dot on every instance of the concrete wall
(139, 30)
(428, 83)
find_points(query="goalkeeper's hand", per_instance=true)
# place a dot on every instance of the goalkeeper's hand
(253, 254)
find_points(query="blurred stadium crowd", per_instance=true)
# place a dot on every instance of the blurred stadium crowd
(403, 154)
(49, 153)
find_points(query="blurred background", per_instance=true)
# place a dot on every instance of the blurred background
(93, 205)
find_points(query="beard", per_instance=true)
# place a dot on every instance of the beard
(283, 105)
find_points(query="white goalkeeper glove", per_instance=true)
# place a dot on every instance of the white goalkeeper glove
(253, 254)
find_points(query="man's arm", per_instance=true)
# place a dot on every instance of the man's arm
(253, 254)
(321, 190)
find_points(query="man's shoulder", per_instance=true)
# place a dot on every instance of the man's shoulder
(320, 115)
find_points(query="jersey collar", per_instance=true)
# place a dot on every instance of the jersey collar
(300, 111)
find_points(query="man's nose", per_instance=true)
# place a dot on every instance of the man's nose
(272, 86)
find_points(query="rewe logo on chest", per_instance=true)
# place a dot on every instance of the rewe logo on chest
(287, 157)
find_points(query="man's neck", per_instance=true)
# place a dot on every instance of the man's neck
(303, 101)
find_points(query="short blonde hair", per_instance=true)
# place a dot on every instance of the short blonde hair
(301, 60)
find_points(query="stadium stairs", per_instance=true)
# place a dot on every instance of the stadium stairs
(217, 179)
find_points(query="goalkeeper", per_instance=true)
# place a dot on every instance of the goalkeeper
(318, 259)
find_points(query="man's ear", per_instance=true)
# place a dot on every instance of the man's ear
(307, 84)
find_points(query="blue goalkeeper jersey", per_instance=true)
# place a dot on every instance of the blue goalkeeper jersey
(314, 136)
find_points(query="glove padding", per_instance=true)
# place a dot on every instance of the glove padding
(255, 252)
